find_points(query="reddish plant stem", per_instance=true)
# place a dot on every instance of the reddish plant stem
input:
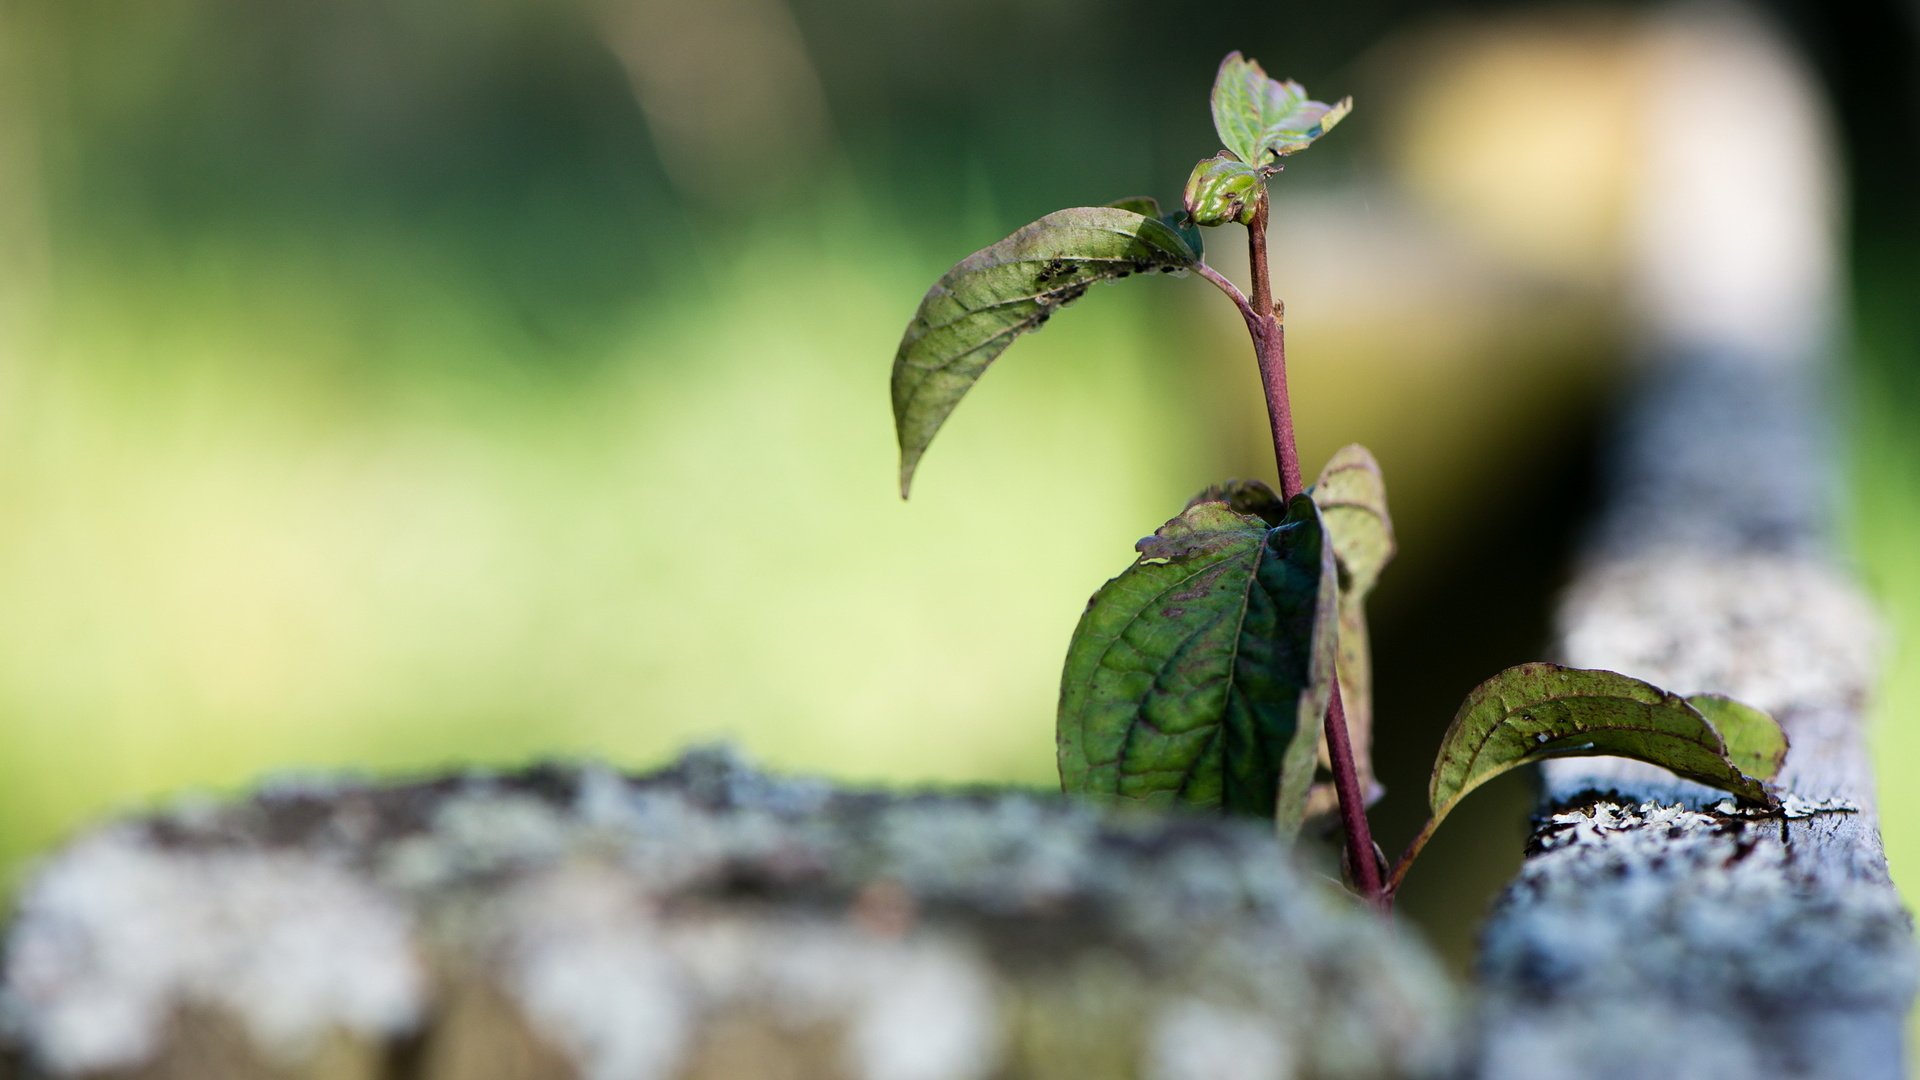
(1257, 259)
(1405, 862)
(1270, 344)
(1362, 861)
(1270, 341)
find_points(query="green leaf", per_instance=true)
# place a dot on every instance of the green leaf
(1538, 711)
(994, 295)
(1245, 497)
(1179, 221)
(1144, 205)
(1183, 225)
(1221, 189)
(1262, 119)
(1352, 497)
(1201, 674)
(1755, 742)
(1353, 500)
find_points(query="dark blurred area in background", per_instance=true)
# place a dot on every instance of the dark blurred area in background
(387, 384)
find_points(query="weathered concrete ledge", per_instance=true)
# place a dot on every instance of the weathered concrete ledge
(707, 921)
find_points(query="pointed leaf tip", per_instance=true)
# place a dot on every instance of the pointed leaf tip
(1756, 744)
(1011, 288)
(1537, 711)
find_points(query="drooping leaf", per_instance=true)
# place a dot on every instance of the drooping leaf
(994, 295)
(1262, 119)
(1352, 497)
(1201, 674)
(1538, 711)
(1223, 188)
(1755, 742)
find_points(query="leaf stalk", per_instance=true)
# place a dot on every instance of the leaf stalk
(1221, 282)
(1405, 862)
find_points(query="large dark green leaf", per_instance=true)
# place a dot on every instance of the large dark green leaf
(1261, 119)
(1352, 497)
(1201, 674)
(1537, 711)
(994, 295)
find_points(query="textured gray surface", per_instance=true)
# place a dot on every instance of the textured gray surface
(1663, 942)
(1649, 934)
(708, 921)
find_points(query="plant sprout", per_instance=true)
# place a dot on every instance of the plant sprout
(1227, 668)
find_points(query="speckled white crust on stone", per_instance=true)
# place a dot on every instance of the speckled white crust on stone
(116, 934)
(1195, 1040)
(655, 927)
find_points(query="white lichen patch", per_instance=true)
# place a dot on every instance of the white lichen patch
(633, 923)
(113, 936)
(1197, 1040)
(1596, 820)
(927, 1013)
(1793, 806)
(1008, 853)
(621, 991)
(477, 833)
(582, 953)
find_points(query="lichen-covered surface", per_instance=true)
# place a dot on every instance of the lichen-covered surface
(1676, 934)
(1651, 933)
(708, 921)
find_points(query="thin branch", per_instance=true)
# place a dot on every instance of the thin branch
(1233, 292)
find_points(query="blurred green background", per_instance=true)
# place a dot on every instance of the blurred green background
(388, 385)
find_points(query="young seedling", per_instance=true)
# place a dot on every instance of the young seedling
(1227, 667)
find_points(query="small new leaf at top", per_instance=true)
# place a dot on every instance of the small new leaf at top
(1262, 119)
